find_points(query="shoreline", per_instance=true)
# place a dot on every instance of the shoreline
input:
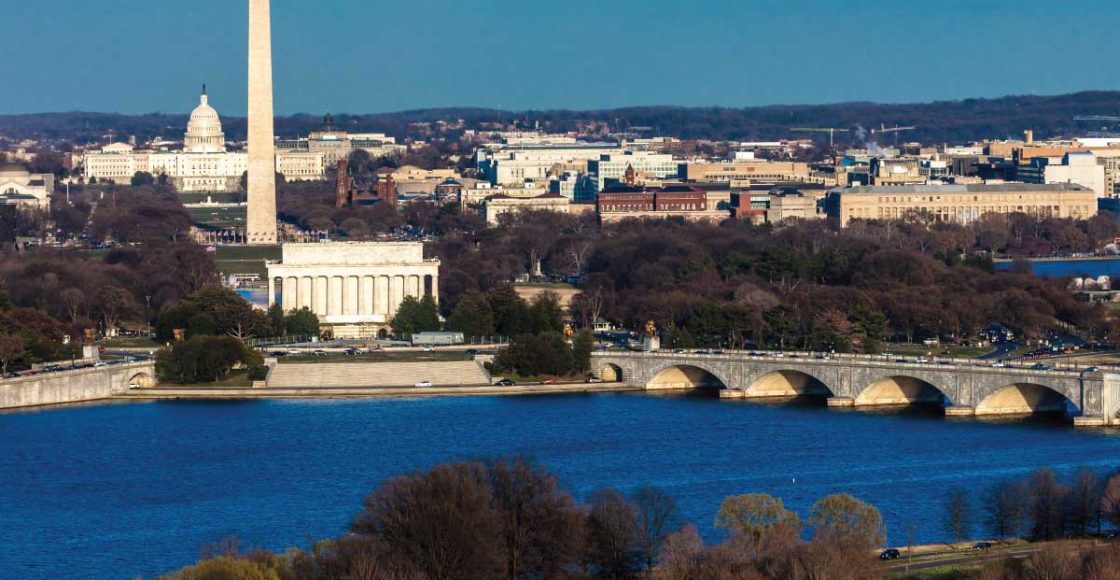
(226, 393)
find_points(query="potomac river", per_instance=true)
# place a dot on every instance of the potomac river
(121, 490)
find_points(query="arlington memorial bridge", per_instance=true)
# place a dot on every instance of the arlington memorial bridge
(965, 387)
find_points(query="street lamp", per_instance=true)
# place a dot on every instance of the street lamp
(148, 317)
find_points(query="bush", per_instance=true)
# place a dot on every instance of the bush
(204, 359)
(258, 373)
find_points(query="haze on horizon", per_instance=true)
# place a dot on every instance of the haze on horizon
(368, 56)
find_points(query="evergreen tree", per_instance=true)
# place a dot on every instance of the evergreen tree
(302, 322)
(472, 317)
(415, 316)
(582, 347)
(511, 313)
(545, 313)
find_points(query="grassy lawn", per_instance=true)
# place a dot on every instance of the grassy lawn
(245, 259)
(941, 573)
(214, 197)
(132, 343)
(217, 217)
(378, 357)
(235, 379)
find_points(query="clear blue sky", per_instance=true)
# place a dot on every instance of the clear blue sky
(358, 56)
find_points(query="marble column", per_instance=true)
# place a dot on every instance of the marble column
(288, 294)
(320, 296)
(305, 284)
(334, 299)
(350, 302)
(381, 300)
(366, 306)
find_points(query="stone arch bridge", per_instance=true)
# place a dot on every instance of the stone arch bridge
(963, 386)
(75, 386)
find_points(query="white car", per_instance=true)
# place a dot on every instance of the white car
(423, 384)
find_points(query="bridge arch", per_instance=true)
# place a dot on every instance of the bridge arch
(610, 373)
(141, 380)
(685, 376)
(788, 383)
(1025, 398)
(901, 390)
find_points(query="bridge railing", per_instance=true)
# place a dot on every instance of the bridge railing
(930, 363)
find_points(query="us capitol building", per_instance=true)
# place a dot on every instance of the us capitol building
(203, 165)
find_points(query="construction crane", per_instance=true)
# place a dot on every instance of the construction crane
(830, 130)
(884, 129)
(1105, 118)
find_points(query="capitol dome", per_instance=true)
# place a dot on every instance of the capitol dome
(204, 130)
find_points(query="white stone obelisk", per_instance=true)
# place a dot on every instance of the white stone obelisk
(261, 222)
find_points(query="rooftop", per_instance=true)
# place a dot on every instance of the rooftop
(965, 188)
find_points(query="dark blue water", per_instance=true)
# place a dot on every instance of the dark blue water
(1072, 267)
(117, 491)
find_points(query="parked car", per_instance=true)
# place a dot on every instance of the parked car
(352, 352)
(472, 351)
(429, 348)
(981, 546)
(293, 351)
(890, 554)
(278, 353)
(999, 364)
(548, 382)
(319, 353)
(422, 384)
(593, 379)
(506, 383)
(1092, 369)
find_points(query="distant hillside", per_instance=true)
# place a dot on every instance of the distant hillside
(937, 122)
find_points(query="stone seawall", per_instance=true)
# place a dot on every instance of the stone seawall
(74, 386)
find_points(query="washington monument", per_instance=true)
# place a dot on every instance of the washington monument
(261, 223)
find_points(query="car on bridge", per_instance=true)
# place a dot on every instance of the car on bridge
(1041, 367)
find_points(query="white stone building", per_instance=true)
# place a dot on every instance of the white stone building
(203, 165)
(613, 167)
(355, 288)
(18, 186)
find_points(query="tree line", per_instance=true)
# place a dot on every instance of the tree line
(958, 121)
(808, 285)
(510, 518)
(207, 332)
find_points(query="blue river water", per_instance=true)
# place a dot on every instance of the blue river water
(134, 489)
(1073, 267)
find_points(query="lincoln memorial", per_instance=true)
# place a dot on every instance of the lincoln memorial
(354, 288)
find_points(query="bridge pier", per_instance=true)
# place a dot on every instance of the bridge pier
(960, 411)
(841, 402)
(1084, 421)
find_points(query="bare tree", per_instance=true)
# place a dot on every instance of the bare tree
(540, 526)
(11, 348)
(1110, 500)
(657, 516)
(614, 548)
(750, 517)
(958, 516)
(1046, 502)
(1005, 506)
(1084, 503)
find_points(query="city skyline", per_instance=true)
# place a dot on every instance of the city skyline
(351, 56)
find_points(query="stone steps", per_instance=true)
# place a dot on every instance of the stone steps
(377, 374)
